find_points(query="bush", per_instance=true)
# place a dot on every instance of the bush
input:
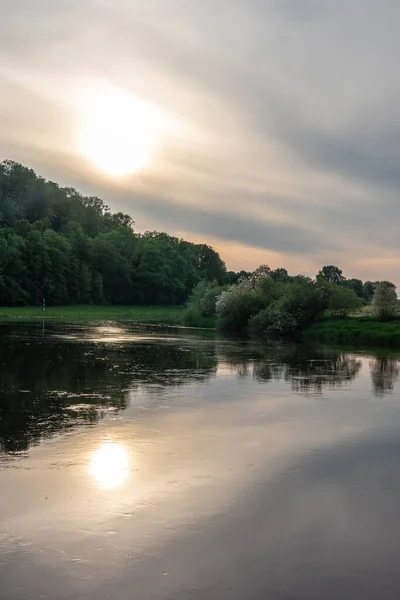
(272, 321)
(342, 301)
(191, 317)
(362, 330)
(236, 305)
(299, 304)
(384, 303)
(202, 303)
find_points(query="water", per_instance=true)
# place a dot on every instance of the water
(167, 465)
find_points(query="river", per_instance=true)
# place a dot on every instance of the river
(154, 464)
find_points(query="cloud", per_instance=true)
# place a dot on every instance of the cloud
(236, 227)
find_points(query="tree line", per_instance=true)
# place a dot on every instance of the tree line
(272, 302)
(66, 248)
(328, 274)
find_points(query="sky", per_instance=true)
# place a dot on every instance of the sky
(278, 130)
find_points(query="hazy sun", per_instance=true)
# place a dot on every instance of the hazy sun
(119, 132)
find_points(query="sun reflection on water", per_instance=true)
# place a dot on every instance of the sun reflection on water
(110, 465)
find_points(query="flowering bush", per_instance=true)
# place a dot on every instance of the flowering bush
(236, 305)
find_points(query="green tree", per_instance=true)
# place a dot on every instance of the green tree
(356, 285)
(280, 275)
(112, 261)
(210, 264)
(330, 274)
(233, 277)
(342, 301)
(261, 272)
(368, 291)
(12, 268)
(385, 301)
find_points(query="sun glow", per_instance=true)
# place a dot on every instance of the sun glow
(110, 465)
(119, 133)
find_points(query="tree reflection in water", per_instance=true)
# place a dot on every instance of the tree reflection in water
(306, 369)
(52, 383)
(384, 373)
(70, 377)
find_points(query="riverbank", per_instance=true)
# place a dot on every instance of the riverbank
(152, 315)
(349, 331)
(355, 331)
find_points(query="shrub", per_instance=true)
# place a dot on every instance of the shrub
(209, 301)
(273, 321)
(363, 330)
(191, 317)
(342, 301)
(202, 303)
(236, 305)
(299, 304)
(384, 303)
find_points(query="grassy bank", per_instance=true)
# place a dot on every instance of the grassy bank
(163, 315)
(361, 330)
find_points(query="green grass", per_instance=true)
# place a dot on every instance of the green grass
(355, 331)
(163, 315)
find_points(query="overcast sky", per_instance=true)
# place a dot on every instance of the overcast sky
(287, 141)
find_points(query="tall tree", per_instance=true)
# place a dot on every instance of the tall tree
(330, 274)
(385, 301)
(356, 285)
(368, 291)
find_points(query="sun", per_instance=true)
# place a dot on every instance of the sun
(119, 132)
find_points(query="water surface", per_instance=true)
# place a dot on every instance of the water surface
(150, 464)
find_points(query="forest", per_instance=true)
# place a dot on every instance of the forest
(65, 248)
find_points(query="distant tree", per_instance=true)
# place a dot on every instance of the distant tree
(356, 285)
(279, 275)
(120, 220)
(330, 274)
(210, 264)
(160, 277)
(233, 277)
(385, 301)
(261, 272)
(368, 291)
(342, 301)
(301, 279)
